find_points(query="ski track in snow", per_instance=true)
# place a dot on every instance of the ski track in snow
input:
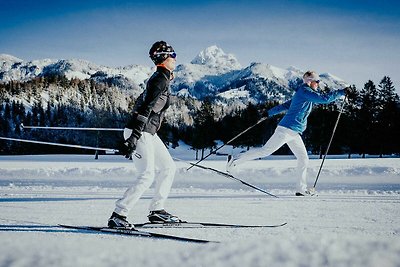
(355, 220)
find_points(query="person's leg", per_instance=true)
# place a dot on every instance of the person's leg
(278, 139)
(166, 168)
(145, 169)
(300, 152)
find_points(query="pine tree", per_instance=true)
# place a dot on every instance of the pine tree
(7, 111)
(249, 117)
(388, 117)
(28, 118)
(352, 128)
(48, 117)
(2, 125)
(316, 136)
(6, 128)
(369, 110)
(204, 126)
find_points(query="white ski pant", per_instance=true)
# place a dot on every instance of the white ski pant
(155, 164)
(281, 136)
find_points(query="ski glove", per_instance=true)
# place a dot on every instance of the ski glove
(136, 124)
(130, 145)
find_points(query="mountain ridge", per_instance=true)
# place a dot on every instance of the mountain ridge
(212, 73)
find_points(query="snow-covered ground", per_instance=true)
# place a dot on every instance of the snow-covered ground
(355, 220)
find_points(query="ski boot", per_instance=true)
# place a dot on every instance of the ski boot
(307, 193)
(117, 221)
(161, 216)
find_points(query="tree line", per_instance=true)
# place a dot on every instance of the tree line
(369, 124)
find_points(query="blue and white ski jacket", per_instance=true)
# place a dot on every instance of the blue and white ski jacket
(300, 106)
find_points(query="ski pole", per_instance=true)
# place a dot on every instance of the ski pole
(330, 141)
(233, 178)
(228, 175)
(70, 128)
(235, 137)
(66, 145)
(58, 144)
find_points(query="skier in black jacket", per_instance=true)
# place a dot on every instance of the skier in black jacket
(142, 141)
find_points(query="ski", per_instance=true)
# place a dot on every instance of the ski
(230, 176)
(202, 225)
(138, 233)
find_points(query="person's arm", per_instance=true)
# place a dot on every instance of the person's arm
(279, 108)
(155, 88)
(319, 98)
(139, 118)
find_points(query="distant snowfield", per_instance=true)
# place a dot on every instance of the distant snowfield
(355, 220)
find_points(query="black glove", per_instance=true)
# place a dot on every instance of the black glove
(130, 145)
(265, 114)
(125, 149)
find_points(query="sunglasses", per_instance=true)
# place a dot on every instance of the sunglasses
(317, 81)
(170, 54)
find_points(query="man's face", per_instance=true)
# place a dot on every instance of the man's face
(170, 63)
(314, 85)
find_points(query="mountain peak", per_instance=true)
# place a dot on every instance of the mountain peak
(7, 61)
(215, 57)
(9, 58)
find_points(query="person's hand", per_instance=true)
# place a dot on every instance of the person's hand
(130, 144)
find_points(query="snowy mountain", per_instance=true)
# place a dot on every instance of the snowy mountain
(7, 61)
(12, 68)
(212, 73)
(215, 57)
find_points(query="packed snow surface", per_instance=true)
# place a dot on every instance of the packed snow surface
(354, 220)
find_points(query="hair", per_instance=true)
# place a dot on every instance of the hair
(310, 76)
(309, 73)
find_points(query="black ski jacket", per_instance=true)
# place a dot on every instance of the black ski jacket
(150, 107)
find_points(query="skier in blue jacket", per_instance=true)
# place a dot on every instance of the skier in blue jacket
(291, 127)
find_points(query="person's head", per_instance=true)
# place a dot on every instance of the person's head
(311, 79)
(163, 54)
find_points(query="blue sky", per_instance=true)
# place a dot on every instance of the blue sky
(355, 40)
